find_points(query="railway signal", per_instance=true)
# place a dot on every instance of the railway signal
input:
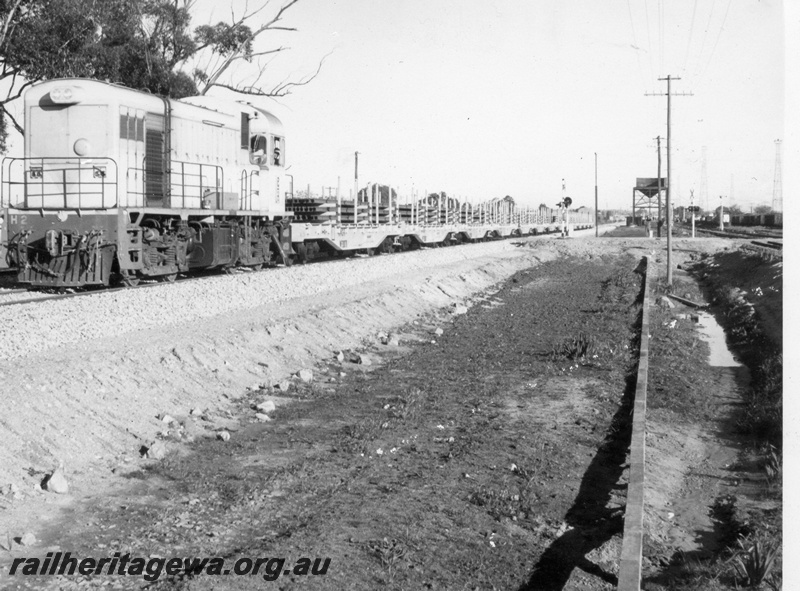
(693, 209)
(564, 204)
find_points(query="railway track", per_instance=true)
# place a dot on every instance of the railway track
(14, 296)
(741, 235)
(769, 248)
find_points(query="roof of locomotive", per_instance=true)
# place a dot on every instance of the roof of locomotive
(98, 91)
(272, 123)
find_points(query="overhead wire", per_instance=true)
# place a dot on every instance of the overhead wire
(649, 42)
(689, 42)
(703, 44)
(661, 39)
(721, 28)
(636, 46)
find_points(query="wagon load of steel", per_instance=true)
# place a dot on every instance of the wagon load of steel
(312, 211)
(352, 213)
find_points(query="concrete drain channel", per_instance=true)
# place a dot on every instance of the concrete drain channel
(630, 566)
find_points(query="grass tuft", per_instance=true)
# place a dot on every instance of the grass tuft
(754, 564)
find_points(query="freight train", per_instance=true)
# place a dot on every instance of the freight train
(120, 185)
(768, 220)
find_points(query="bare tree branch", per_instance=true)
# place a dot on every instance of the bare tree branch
(268, 51)
(14, 122)
(8, 21)
(279, 90)
(238, 53)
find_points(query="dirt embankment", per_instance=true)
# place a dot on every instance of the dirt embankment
(489, 457)
(92, 400)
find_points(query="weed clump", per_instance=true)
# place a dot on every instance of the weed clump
(577, 348)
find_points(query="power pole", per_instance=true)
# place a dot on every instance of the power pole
(704, 180)
(658, 213)
(669, 80)
(777, 188)
(355, 192)
(596, 211)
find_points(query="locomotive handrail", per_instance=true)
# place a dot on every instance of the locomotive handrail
(98, 166)
(192, 183)
(250, 191)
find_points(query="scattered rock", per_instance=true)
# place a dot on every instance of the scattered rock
(27, 539)
(263, 417)
(223, 436)
(383, 337)
(265, 407)
(284, 386)
(359, 358)
(438, 332)
(56, 483)
(305, 375)
(196, 412)
(6, 543)
(167, 419)
(10, 489)
(157, 450)
(460, 309)
(339, 356)
(394, 342)
(665, 302)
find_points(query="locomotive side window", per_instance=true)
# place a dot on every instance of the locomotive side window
(258, 149)
(277, 151)
(245, 131)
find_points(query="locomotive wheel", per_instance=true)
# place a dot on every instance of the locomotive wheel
(129, 278)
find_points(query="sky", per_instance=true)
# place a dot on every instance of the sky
(487, 98)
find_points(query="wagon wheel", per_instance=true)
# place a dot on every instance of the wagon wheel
(130, 278)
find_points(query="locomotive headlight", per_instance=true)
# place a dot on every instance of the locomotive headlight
(81, 147)
(64, 95)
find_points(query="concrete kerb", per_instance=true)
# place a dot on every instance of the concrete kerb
(630, 566)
